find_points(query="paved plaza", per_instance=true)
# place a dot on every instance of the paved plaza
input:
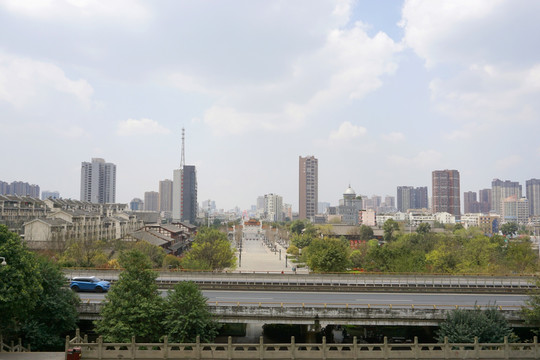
(256, 256)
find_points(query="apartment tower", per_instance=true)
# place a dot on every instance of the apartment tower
(446, 192)
(500, 190)
(533, 196)
(98, 181)
(308, 187)
(165, 195)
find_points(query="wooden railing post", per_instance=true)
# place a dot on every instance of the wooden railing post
(261, 348)
(229, 348)
(355, 348)
(199, 348)
(324, 347)
(535, 339)
(416, 348)
(100, 347)
(476, 348)
(293, 348)
(165, 349)
(67, 344)
(506, 348)
(386, 350)
(133, 347)
(446, 348)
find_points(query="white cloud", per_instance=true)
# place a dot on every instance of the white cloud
(393, 137)
(77, 9)
(489, 93)
(349, 65)
(423, 159)
(23, 80)
(509, 162)
(132, 127)
(347, 131)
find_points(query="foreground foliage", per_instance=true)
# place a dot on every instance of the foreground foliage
(462, 326)
(133, 306)
(187, 315)
(34, 304)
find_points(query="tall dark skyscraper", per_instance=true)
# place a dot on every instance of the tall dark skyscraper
(446, 193)
(409, 197)
(98, 181)
(184, 191)
(500, 190)
(470, 204)
(532, 187)
(308, 186)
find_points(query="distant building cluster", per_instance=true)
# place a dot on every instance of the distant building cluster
(19, 188)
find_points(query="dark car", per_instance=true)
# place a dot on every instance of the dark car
(89, 283)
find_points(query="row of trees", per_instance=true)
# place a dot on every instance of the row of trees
(461, 251)
(134, 307)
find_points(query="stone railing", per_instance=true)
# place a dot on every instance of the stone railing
(12, 347)
(301, 351)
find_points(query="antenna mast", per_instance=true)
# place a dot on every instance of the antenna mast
(183, 159)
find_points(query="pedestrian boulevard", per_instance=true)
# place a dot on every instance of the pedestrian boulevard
(256, 256)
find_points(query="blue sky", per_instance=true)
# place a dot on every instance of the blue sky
(381, 92)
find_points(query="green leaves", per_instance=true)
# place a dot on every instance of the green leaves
(210, 251)
(34, 304)
(187, 315)
(462, 326)
(133, 307)
(327, 255)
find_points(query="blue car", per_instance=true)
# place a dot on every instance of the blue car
(89, 283)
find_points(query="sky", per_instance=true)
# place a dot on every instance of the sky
(381, 92)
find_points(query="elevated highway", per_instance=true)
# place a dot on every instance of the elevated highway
(342, 314)
(364, 282)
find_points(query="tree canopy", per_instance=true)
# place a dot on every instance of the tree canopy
(462, 326)
(133, 306)
(327, 255)
(509, 229)
(390, 226)
(34, 303)
(210, 251)
(187, 315)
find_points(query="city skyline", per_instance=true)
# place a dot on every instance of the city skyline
(381, 93)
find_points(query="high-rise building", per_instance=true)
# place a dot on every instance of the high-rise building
(501, 190)
(98, 181)
(308, 187)
(484, 198)
(409, 197)
(446, 192)
(19, 188)
(165, 195)
(349, 207)
(514, 209)
(273, 207)
(532, 188)
(185, 204)
(151, 201)
(470, 204)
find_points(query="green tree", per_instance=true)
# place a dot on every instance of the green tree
(509, 229)
(20, 283)
(210, 251)
(327, 255)
(55, 314)
(156, 254)
(171, 261)
(462, 326)
(35, 305)
(301, 241)
(478, 256)
(390, 227)
(366, 233)
(531, 310)
(86, 253)
(423, 228)
(446, 255)
(297, 226)
(520, 257)
(187, 315)
(133, 306)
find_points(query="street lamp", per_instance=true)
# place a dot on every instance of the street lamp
(3, 263)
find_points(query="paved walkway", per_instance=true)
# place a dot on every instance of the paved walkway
(32, 356)
(258, 257)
